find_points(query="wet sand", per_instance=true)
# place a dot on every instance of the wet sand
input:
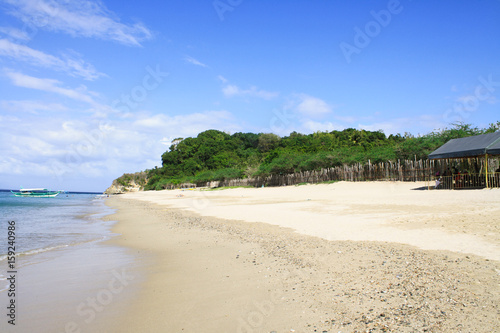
(342, 257)
(83, 288)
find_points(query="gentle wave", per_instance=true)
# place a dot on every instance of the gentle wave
(36, 251)
(50, 248)
(6, 287)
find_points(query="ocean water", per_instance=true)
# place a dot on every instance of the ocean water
(44, 225)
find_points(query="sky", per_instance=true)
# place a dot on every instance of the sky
(90, 90)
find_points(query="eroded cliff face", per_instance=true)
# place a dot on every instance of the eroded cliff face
(128, 183)
(116, 188)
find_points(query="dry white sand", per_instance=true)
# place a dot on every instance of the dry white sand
(347, 261)
(466, 221)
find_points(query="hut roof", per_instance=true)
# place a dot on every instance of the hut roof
(478, 145)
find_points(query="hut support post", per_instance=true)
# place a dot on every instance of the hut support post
(486, 169)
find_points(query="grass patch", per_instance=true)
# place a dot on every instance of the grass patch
(325, 182)
(226, 188)
(329, 182)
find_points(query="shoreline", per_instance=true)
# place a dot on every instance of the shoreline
(195, 280)
(76, 284)
(204, 273)
(72, 289)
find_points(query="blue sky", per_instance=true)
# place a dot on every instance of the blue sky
(90, 90)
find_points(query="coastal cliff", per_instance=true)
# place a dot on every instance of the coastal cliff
(128, 182)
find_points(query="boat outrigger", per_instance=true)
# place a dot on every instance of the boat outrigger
(35, 193)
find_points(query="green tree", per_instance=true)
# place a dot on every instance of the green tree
(267, 142)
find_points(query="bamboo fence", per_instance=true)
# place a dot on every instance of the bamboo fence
(406, 171)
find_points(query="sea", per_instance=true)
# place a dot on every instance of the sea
(61, 259)
(49, 224)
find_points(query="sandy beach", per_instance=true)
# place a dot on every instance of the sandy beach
(343, 257)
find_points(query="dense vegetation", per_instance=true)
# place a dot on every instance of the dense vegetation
(215, 155)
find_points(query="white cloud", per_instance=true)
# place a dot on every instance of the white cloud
(49, 85)
(15, 33)
(305, 126)
(74, 67)
(346, 119)
(298, 113)
(310, 106)
(79, 18)
(187, 125)
(62, 150)
(233, 90)
(222, 78)
(471, 102)
(421, 124)
(31, 106)
(311, 126)
(193, 61)
(389, 127)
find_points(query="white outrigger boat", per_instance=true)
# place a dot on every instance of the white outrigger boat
(35, 193)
